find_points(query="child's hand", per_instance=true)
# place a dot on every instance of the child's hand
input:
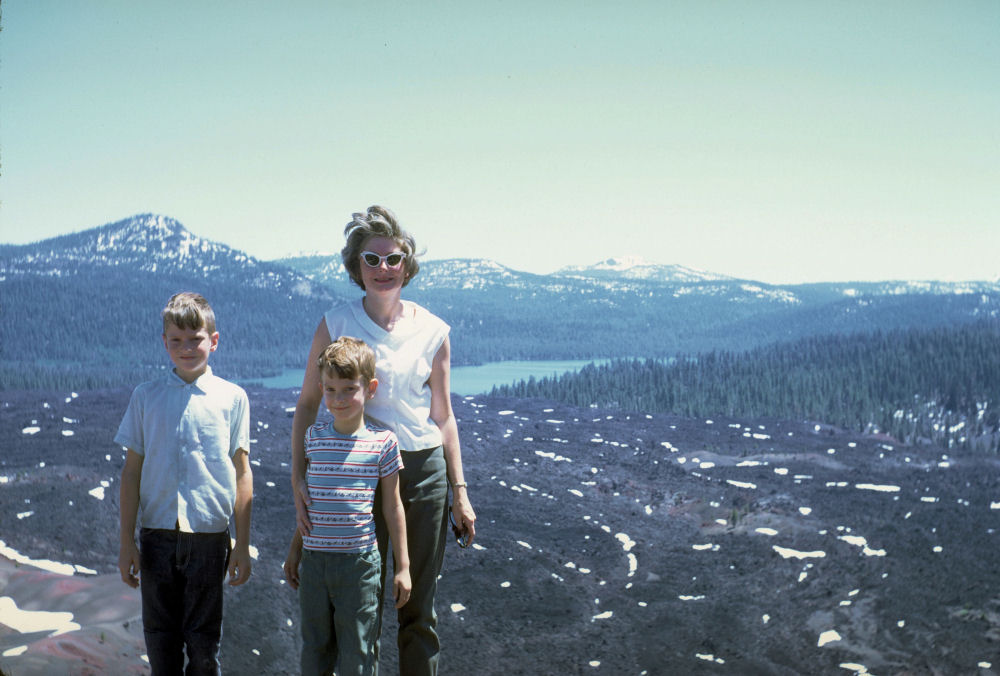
(291, 567)
(401, 587)
(239, 566)
(128, 564)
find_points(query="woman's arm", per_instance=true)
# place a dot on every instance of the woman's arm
(305, 415)
(443, 415)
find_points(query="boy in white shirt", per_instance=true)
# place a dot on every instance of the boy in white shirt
(187, 466)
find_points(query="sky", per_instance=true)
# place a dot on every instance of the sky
(789, 141)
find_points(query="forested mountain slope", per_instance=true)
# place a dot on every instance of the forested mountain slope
(939, 384)
(654, 311)
(81, 310)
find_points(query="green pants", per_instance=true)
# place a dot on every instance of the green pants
(338, 598)
(423, 487)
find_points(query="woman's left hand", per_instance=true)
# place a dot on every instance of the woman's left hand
(464, 515)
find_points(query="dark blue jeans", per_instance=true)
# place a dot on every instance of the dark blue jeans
(181, 578)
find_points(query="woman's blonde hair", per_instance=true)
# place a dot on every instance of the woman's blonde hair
(377, 222)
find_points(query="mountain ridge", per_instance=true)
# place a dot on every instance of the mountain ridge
(671, 274)
(637, 267)
(153, 244)
(135, 235)
(269, 309)
(102, 290)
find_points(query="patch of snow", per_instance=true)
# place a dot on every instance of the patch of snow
(829, 636)
(786, 553)
(29, 621)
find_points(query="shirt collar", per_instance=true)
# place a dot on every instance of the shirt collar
(198, 382)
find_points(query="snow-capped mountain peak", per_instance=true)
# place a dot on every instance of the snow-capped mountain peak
(622, 263)
(149, 233)
(632, 267)
(150, 244)
(150, 241)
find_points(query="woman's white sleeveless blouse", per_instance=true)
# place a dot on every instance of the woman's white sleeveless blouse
(403, 359)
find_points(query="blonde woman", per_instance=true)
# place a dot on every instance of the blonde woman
(413, 399)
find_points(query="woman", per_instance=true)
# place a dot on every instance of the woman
(413, 367)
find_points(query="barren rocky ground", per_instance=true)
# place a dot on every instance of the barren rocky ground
(609, 543)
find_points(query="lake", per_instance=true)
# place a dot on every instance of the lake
(465, 380)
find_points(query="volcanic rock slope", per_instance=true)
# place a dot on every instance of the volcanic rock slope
(608, 542)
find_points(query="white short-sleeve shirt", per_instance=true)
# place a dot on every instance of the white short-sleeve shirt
(187, 434)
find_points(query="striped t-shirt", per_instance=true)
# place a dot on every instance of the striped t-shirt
(342, 473)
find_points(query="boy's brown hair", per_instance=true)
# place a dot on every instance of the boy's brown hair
(348, 357)
(188, 310)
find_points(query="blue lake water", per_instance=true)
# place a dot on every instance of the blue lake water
(467, 380)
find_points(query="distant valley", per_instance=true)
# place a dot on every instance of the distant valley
(762, 539)
(81, 310)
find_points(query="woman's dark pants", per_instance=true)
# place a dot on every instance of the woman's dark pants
(423, 487)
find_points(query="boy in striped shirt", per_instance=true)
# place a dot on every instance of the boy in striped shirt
(335, 567)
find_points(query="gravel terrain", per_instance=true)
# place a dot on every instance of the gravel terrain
(609, 543)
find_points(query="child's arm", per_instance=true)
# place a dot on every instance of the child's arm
(291, 566)
(395, 519)
(128, 553)
(239, 560)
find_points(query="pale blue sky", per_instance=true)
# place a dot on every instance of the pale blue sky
(780, 141)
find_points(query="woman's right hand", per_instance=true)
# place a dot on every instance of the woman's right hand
(302, 502)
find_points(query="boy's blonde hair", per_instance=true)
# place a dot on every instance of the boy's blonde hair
(348, 357)
(377, 222)
(188, 310)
